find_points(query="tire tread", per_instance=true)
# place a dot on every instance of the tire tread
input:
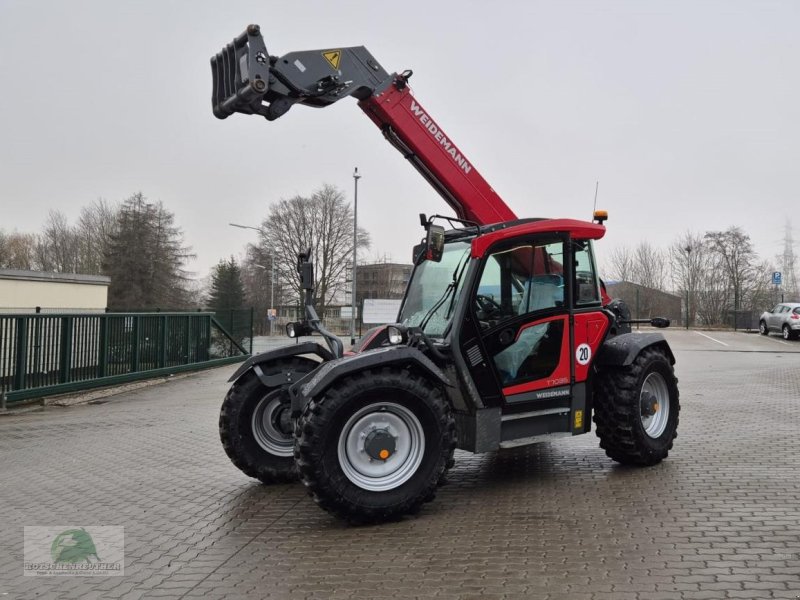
(309, 445)
(616, 399)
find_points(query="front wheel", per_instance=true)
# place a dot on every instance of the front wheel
(636, 409)
(255, 425)
(375, 446)
(762, 328)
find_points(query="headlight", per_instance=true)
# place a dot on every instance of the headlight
(395, 335)
(290, 330)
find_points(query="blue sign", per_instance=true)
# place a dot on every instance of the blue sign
(776, 278)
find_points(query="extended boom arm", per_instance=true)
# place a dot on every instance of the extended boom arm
(248, 80)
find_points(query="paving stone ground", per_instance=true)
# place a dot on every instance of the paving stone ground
(719, 519)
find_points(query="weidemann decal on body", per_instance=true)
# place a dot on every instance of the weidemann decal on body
(433, 128)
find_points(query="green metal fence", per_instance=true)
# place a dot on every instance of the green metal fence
(45, 354)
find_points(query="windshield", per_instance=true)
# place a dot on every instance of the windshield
(434, 289)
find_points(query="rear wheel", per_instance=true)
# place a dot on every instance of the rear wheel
(788, 334)
(636, 409)
(762, 328)
(255, 427)
(374, 447)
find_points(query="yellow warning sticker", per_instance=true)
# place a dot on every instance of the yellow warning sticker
(333, 57)
(578, 419)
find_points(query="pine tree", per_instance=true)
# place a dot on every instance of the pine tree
(227, 290)
(145, 258)
(227, 298)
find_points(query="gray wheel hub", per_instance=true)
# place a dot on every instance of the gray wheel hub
(269, 424)
(381, 446)
(654, 405)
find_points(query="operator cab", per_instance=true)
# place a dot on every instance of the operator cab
(519, 305)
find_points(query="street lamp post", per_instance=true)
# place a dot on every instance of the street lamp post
(356, 177)
(688, 280)
(272, 290)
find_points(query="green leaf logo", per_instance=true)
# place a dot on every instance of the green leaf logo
(73, 546)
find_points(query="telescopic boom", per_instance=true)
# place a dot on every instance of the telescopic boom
(250, 81)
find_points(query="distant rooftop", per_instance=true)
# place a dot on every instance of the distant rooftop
(54, 277)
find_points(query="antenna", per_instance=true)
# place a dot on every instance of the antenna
(596, 185)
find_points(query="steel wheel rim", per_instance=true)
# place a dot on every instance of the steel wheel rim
(763, 328)
(786, 332)
(381, 475)
(655, 388)
(265, 427)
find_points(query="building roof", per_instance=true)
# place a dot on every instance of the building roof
(379, 265)
(21, 275)
(630, 284)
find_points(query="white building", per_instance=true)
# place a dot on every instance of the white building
(23, 291)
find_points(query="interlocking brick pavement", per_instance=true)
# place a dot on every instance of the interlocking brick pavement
(719, 519)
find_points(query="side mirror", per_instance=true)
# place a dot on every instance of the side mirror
(307, 276)
(434, 243)
(305, 268)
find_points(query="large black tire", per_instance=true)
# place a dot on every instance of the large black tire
(787, 332)
(331, 445)
(624, 397)
(270, 460)
(762, 328)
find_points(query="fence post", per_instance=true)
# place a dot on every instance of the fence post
(66, 349)
(20, 362)
(162, 350)
(135, 345)
(37, 351)
(102, 359)
(189, 339)
(637, 306)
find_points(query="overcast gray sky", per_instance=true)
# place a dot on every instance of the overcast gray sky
(687, 113)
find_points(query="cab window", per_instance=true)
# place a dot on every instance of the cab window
(586, 288)
(520, 280)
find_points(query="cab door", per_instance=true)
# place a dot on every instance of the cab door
(539, 308)
(520, 304)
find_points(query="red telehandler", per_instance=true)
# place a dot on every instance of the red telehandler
(505, 335)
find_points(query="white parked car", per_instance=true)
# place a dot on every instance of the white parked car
(785, 318)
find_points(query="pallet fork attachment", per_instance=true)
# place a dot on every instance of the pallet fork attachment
(246, 79)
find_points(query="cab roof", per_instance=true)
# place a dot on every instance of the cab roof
(579, 230)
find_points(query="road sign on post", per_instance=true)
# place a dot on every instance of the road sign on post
(776, 278)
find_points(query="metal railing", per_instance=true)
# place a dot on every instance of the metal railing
(46, 354)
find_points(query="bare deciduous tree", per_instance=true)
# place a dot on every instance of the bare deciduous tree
(736, 257)
(96, 225)
(18, 251)
(688, 260)
(649, 266)
(620, 263)
(258, 285)
(57, 247)
(322, 222)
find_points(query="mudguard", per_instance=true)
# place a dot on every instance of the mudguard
(621, 350)
(316, 382)
(291, 350)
